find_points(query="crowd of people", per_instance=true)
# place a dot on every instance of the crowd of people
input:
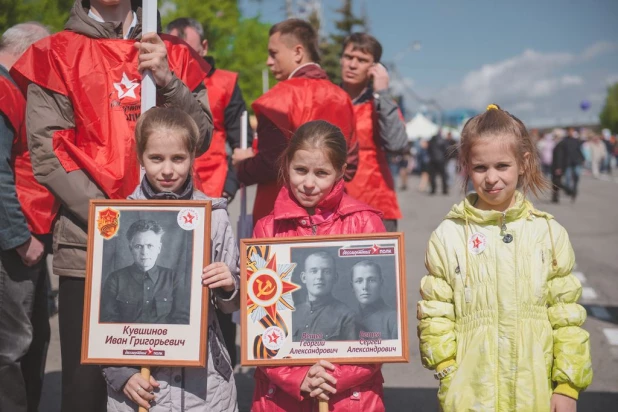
(565, 154)
(73, 131)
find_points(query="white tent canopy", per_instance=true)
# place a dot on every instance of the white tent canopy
(421, 127)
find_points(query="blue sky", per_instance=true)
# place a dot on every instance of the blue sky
(538, 59)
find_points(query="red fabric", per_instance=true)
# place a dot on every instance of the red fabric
(36, 201)
(374, 182)
(289, 105)
(211, 167)
(359, 387)
(101, 79)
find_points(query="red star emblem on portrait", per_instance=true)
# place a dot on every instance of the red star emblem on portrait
(273, 337)
(189, 218)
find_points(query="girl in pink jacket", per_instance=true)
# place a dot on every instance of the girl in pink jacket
(313, 202)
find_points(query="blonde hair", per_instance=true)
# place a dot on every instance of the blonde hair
(170, 118)
(496, 123)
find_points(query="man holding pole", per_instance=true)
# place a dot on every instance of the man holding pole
(83, 100)
(304, 93)
(379, 126)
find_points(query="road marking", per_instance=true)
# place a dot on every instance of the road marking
(580, 276)
(589, 293)
(611, 335)
(600, 312)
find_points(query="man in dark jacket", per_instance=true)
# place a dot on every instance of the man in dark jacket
(322, 316)
(438, 148)
(145, 292)
(558, 165)
(23, 301)
(81, 111)
(573, 147)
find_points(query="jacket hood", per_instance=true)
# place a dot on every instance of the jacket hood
(79, 22)
(521, 209)
(287, 207)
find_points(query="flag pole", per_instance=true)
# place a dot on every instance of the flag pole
(149, 99)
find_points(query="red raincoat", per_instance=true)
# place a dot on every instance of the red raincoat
(374, 182)
(102, 143)
(211, 167)
(36, 201)
(359, 387)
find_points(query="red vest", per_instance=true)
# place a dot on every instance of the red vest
(101, 79)
(211, 167)
(373, 183)
(36, 201)
(289, 105)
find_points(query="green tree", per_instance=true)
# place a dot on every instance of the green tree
(247, 55)
(236, 43)
(219, 18)
(330, 47)
(52, 13)
(609, 114)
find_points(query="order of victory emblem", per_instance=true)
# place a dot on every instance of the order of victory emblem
(107, 222)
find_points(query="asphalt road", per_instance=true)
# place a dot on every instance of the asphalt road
(592, 223)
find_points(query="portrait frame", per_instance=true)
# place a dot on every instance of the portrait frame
(301, 317)
(144, 302)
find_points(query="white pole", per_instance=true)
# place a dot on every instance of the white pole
(149, 25)
(265, 85)
(149, 90)
(243, 145)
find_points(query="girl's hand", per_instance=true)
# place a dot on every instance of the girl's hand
(153, 57)
(318, 382)
(562, 403)
(218, 275)
(139, 390)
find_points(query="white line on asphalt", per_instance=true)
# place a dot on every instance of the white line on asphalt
(588, 293)
(600, 312)
(580, 276)
(611, 335)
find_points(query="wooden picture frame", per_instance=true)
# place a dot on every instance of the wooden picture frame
(144, 302)
(310, 298)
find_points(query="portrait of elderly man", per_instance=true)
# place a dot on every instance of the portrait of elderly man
(374, 314)
(322, 314)
(145, 292)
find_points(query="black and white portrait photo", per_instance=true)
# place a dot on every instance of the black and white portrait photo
(342, 296)
(146, 271)
(374, 314)
(321, 313)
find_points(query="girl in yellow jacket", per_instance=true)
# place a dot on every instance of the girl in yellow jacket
(499, 319)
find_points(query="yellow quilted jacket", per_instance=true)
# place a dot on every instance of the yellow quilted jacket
(503, 315)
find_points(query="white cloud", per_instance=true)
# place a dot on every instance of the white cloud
(598, 49)
(611, 79)
(532, 82)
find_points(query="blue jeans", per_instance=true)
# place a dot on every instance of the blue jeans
(17, 299)
(571, 179)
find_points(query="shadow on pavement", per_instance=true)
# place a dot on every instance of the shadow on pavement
(396, 399)
(604, 313)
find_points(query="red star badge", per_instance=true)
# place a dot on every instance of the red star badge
(273, 337)
(476, 242)
(189, 218)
